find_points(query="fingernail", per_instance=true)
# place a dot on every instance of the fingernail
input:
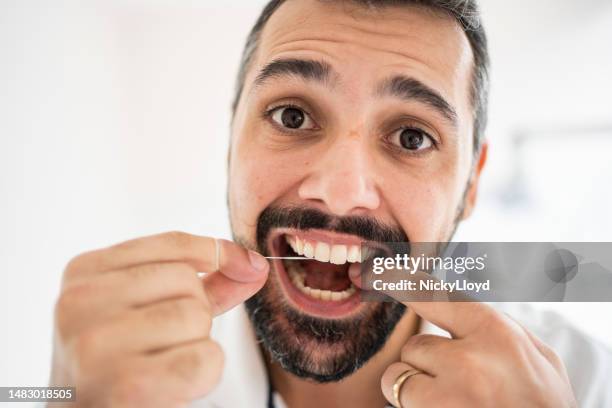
(258, 262)
(354, 271)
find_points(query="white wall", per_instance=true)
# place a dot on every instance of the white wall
(552, 61)
(114, 123)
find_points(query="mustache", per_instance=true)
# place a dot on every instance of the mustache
(304, 218)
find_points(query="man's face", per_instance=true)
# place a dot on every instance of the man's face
(353, 125)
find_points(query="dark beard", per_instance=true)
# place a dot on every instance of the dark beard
(295, 340)
(320, 349)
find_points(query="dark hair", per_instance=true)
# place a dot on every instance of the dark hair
(467, 14)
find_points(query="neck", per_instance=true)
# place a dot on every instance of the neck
(361, 389)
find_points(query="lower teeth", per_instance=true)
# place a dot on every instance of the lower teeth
(298, 277)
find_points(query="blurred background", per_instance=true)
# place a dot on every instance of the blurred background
(114, 124)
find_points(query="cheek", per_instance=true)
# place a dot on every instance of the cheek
(421, 210)
(425, 202)
(260, 176)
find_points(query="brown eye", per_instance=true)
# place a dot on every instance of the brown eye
(292, 117)
(412, 139)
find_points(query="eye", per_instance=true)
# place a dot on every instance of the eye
(412, 139)
(292, 117)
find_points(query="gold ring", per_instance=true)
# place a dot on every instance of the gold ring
(397, 386)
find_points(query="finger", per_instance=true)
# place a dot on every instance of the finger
(452, 313)
(154, 327)
(190, 371)
(544, 350)
(234, 261)
(414, 390)
(86, 302)
(135, 286)
(172, 377)
(224, 293)
(354, 273)
(429, 352)
(460, 319)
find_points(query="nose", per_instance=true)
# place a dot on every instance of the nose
(342, 179)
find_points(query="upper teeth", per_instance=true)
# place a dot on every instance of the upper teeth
(323, 252)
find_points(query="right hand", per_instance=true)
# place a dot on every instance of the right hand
(132, 321)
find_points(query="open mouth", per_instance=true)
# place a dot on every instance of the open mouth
(319, 284)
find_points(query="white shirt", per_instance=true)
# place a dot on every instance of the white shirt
(244, 382)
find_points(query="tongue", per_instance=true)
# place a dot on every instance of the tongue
(326, 276)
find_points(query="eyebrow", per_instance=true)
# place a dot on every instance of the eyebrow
(400, 86)
(411, 89)
(308, 70)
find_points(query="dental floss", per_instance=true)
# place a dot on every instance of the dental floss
(286, 257)
(217, 254)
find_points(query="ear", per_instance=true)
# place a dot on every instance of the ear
(470, 197)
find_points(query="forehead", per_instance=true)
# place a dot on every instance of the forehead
(364, 44)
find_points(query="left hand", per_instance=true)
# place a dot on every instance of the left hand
(490, 361)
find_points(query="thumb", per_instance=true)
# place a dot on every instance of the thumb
(241, 274)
